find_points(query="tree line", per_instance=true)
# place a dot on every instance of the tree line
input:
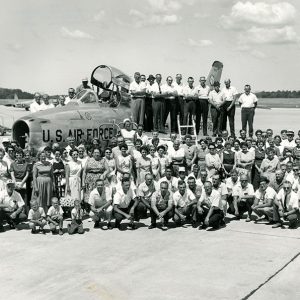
(10, 94)
(278, 94)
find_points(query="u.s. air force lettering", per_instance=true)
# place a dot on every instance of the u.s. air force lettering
(104, 132)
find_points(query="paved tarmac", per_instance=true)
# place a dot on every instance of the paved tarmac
(181, 263)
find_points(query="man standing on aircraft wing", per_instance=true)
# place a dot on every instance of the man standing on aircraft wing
(137, 90)
(148, 122)
(83, 86)
(230, 94)
(179, 99)
(248, 103)
(46, 105)
(36, 104)
(170, 104)
(157, 105)
(202, 105)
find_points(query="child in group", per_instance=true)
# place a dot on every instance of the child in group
(55, 217)
(36, 218)
(76, 215)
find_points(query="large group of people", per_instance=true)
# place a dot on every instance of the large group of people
(175, 182)
(153, 101)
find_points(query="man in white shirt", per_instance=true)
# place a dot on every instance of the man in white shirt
(161, 206)
(100, 201)
(144, 193)
(264, 198)
(71, 96)
(148, 122)
(35, 106)
(176, 156)
(137, 90)
(84, 85)
(178, 85)
(215, 98)
(46, 104)
(171, 180)
(190, 96)
(289, 143)
(11, 206)
(248, 103)
(286, 207)
(185, 205)
(202, 105)
(210, 208)
(125, 202)
(157, 104)
(230, 94)
(243, 198)
(170, 105)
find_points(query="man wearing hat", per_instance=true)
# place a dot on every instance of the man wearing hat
(5, 143)
(11, 206)
(71, 96)
(83, 86)
(137, 90)
(36, 104)
(216, 100)
(148, 122)
(230, 94)
(289, 143)
(202, 105)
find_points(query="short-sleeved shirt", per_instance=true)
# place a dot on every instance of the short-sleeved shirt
(123, 200)
(222, 189)
(169, 89)
(292, 200)
(238, 191)
(162, 202)
(263, 197)
(77, 214)
(34, 107)
(98, 200)
(145, 190)
(230, 184)
(19, 169)
(248, 101)
(137, 87)
(173, 183)
(183, 200)
(190, 92)
(179, 88)
(203, 92)
(36, 214)
(229, 93)
(14, 201)
(216, 99)
(212, 200)
(53, 212)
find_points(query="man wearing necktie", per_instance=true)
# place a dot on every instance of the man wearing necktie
(286, 207)
(157, 105)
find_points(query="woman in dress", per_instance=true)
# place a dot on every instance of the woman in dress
(95, 168)
(269, 165)
(73, 176)
(277, 143)
(245, 160)
(3, 171)
(59, 172)
(19, 172)
(82, 156)
(228, 159)
(260, 155)
(128, 133)
(236, 146)
(43, 182)
(29, 183)
(155, 165)
(143, 165)
(202, 151)
(212, 161)
(112, 167)
(123, 162)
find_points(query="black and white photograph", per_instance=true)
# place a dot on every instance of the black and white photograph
(150, 150)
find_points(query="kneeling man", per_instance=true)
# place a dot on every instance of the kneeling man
(161, 206)
(286, 207)
(210, 208)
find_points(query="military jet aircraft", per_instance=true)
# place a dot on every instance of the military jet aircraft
(16, 102)
(95, 113)
(92, 114)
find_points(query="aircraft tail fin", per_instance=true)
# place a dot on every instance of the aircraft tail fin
(215, 73)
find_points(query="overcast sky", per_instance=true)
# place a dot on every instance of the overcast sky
(50, 45)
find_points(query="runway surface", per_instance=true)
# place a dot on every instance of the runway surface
(240, 261)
